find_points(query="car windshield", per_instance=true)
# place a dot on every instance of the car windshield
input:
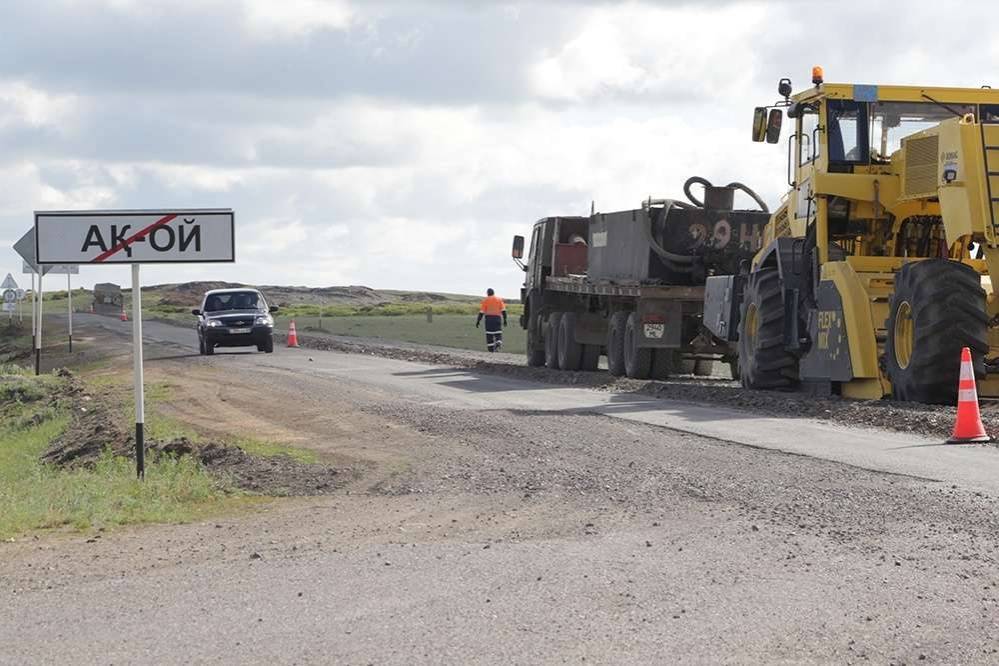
(235, 300)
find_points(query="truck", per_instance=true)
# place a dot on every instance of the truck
(878, 268)
(629, 285)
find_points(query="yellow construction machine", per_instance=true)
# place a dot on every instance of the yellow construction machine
(876, 269)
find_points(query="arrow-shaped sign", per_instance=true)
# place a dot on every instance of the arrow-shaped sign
(26, 248)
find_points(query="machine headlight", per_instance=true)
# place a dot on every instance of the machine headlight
(264, 320)
(214, 323)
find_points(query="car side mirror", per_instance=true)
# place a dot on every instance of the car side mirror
(273, 308)
(759, 124)
(518, 247)
(774, 122)
(196, 313)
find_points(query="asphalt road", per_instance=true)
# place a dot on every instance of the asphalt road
(493, 520)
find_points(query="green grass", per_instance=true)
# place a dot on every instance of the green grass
(446, 330)
(35, 495)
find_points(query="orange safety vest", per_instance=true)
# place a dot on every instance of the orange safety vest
(492, 305)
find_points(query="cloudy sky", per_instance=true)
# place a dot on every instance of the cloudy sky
(401, 144)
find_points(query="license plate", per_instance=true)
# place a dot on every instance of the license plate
(238, 331)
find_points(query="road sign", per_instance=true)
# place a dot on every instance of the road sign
(9, 300)
(20, 294)
(26, 248)
(135, 237)
(8, 282)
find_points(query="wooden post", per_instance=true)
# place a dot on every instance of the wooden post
(430, 315)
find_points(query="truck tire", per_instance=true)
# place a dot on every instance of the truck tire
(535, 351)
(591, 358)
(615, 343)
(551, 340)
(665, 363)
(764, 363)
(937, 308)
(570, 352)
(703, 367)
(637, 360)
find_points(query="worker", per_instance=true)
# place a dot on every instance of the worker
(494, 310)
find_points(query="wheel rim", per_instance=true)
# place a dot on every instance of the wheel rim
(752, 324)
(904, 334)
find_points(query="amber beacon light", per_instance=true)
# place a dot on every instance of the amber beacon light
(817, 75)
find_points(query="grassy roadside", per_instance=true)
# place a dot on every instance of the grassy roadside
(35, 495)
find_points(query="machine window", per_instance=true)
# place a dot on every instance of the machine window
(893, 121)
(848, 132)
(808, 151)
(990, 113)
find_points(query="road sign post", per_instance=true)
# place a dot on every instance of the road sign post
(38, 330)
(140, 395)
(134, 237)
(69, 308)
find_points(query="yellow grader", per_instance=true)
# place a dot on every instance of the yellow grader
(876, 269)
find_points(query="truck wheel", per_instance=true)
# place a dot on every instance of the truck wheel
(201, 345)
(615, 343)
(733, 368)
(591, 358)
(763, 361)
(937, 308)
(268, 345)
(535, 352)
(209, 349)
(570, 352)
(551, 340)
(637, 360)
(665, 363)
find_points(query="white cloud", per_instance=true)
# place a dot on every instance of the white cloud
(295, 18)
(23, 104)
(637, 50)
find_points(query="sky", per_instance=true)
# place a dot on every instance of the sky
(400, 144)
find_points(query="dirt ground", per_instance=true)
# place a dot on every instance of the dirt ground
(471, 536)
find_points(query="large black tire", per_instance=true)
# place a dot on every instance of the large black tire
(201, 345)
(937, 308)
(551, 340)
(637, 360)
(269, 345)
(535, 351)
(764, 363)
(615, 343)
(665, 363)
(703, 368)
(570, 352)
(591, 358)
(209, 349)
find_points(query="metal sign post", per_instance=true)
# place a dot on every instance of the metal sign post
(69, 307)
(33, 299)
(140, 395)
(135, 237)
(38, 330)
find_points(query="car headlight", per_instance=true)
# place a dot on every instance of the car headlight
(214, 323)
(265, 320)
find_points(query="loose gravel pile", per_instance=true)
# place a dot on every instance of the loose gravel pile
(929, 420)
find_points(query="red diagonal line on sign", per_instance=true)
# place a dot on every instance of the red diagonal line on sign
(141, 233)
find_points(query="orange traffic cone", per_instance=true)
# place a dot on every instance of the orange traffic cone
(968, 427)
(124, 315)
(292, 335)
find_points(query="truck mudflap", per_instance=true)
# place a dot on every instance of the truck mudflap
(722, 302)
(661, 324)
